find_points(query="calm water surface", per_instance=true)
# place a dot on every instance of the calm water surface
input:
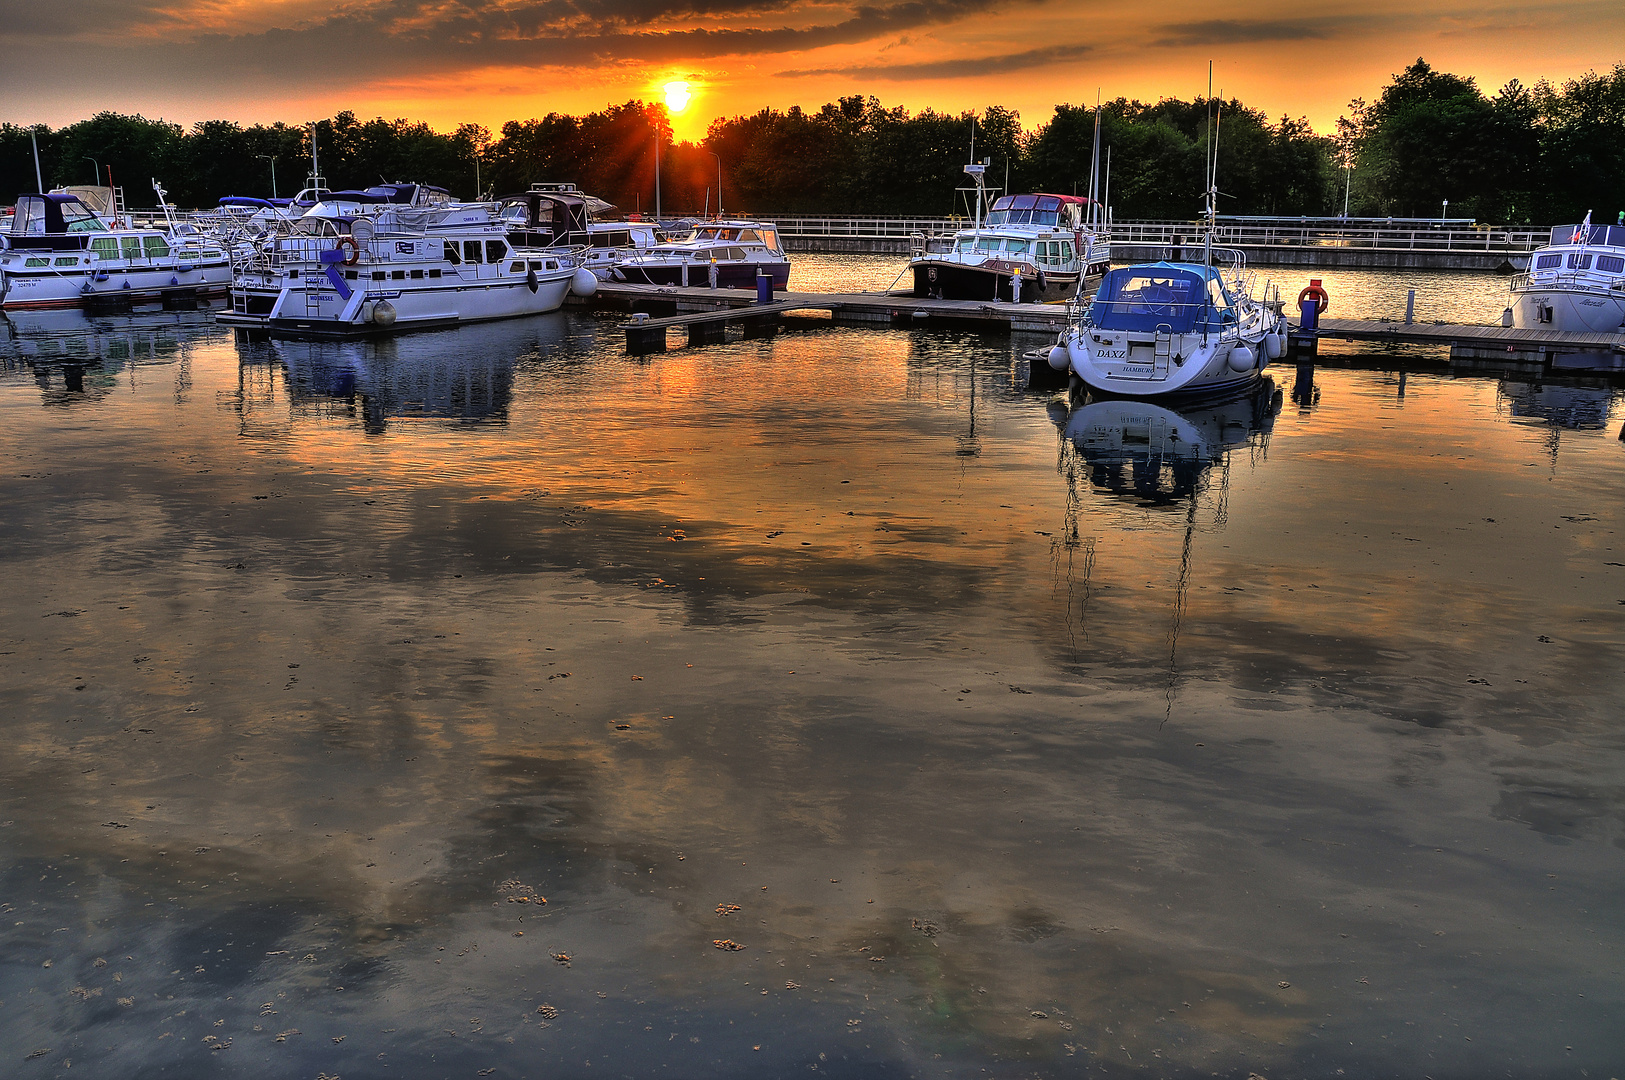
(1003, 742)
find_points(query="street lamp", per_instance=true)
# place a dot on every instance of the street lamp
(713, 153)
(272, 159)
(1443, 210)
(657, 173)
(1348, 177)
(98, 167)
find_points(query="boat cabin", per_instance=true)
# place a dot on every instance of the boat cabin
(1038, 211)
(742, 233)
(1179, 298)
(42, 221)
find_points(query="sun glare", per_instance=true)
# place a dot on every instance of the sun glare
(676, 96)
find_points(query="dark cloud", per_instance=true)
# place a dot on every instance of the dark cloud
(1248, 32)
(947, 69)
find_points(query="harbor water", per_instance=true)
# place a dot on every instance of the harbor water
(489, 702)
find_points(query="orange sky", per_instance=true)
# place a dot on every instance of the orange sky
(488, 61)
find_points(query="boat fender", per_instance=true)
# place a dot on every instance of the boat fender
(583, 282)
(530, 280)
(1272, 345)
(1241, 359)
(173, 280)
(366, 311)
(1059, 358)
(383, 313)
(355, 249)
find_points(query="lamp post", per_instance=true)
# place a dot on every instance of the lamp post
(272, 159)
(1443, 210)
(657, 174)
(713, 153)
(98, 167)
(1348, 176)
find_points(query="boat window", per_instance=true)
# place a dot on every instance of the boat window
(1579, 262)
(68, 260)
(726, 234)
(377, 275)
(37, 262)
(155, 246)
(451, 252)
(471, 251)
(1023, 202)
(105, 247)
(415, 274)
(397, 275)
(964, 243)
(1216, 294)
(1610, 264)
(131, 246)
(1546, 262)
(495, 251)
(1048, 202)
(515, 267)
(30, 218)
(1066, 251)
(78, 218)
(1016, 247)
(434, 271)
(749, 236)
(770, 237)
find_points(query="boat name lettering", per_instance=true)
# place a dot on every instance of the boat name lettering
(1114, 354)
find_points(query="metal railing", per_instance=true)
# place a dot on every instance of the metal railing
(1405, 236)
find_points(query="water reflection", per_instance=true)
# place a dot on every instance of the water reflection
(1574, 406)
(296, 715)
(76, 359)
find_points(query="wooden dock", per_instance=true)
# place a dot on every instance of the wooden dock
(705, 314)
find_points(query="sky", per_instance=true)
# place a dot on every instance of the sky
(486, 61)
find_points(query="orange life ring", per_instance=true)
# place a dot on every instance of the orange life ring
(1322, 301)
(355, 249)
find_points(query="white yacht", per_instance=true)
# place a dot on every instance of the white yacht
(1576, 282)
(59, 252)
(1176, 329)
(354, 266)
(733, 251)
(1031, 248)
(1165, 329)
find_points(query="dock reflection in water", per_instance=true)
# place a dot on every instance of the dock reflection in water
(1293, 753)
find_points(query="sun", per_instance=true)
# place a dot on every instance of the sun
(677, 96)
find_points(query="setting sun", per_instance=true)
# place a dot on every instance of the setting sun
(677, 96)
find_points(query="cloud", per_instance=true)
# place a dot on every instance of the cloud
(955, 68)
(1248, 32)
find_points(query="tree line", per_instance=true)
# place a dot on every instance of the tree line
(1542, 153)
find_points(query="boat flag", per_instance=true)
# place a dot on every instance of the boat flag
(1582, 232)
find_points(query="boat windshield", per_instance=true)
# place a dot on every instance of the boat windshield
(1040, 210)
(77, 218)
(1609, 235)
(1145, 298)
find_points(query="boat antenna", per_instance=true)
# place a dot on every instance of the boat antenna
(1094, 170)
(1212, 168)
(34, 139)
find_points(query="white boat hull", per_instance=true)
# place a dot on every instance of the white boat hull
(1586, 311)
(51, 287)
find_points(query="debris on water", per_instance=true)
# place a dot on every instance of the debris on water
(1283, 984)
(39, 1053)
(547, 1011)
(926, 927)
(1037, 1014)
(727, 944)
(790, 984)
(282, 1036)
(559, 675)
(562, 957)
(727, 909)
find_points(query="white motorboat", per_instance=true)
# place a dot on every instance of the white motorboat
(553, 215)
(716, 254)
(1031, 248)
(59, 252)
(1576, 282)
(351, 267)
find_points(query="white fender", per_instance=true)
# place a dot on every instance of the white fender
(583, 282)
(1272, 345)
(1059, 358)
(1241, 359)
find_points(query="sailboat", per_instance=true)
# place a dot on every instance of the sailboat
(1170, 329)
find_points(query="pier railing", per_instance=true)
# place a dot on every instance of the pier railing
(1397, 236)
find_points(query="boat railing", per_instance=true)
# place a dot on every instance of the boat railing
(1566, 279)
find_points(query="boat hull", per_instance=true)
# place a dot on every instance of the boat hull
(698, 275)
(1578, 310)
(324, 313)
(945, 280)
(21, 290)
